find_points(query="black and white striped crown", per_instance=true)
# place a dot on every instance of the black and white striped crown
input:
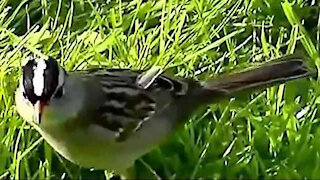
(41, 78)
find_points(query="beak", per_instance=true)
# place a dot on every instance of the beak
(38, 110)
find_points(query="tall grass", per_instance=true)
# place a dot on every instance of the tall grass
(269, 134)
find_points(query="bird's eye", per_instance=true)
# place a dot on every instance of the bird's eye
(59, 93)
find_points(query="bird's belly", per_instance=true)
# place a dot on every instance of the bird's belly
(93, 146)
(92, 149)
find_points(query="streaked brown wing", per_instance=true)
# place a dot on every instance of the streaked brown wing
(128, 106)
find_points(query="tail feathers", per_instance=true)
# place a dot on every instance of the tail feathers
(268, 75)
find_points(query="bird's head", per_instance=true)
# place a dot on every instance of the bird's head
(41, 81)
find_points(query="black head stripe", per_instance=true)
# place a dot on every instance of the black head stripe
(51, 76)
(28, 75)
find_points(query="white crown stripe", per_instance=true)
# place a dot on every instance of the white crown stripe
(38, 79)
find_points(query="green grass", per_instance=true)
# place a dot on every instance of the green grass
(271, 134)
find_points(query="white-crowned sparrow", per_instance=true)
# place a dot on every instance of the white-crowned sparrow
(105, 120)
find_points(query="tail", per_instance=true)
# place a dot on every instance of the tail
(267, 75)
(279, 71)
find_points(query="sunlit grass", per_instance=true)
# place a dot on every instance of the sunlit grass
(270, 134)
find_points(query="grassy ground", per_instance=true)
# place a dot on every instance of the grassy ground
(270, 134)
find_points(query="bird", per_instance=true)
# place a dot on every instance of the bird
(103, 118)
